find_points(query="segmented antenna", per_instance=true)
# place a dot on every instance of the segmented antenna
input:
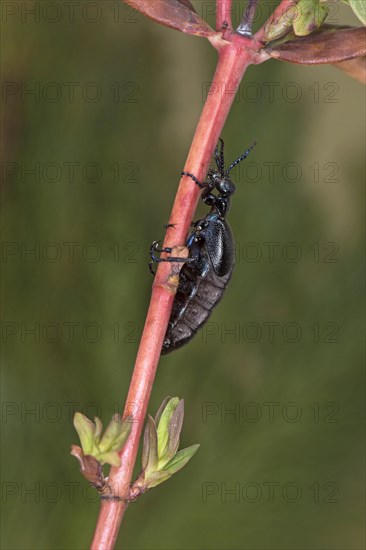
(243, 156)
(219, 158)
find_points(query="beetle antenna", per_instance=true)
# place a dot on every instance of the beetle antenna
(222, 162)
(219, 158)
(243, 156)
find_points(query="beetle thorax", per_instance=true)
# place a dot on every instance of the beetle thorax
(222, 205)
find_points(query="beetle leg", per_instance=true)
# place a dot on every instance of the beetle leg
(171, 259)
(155, 248)
(151, 268)
(200, 185)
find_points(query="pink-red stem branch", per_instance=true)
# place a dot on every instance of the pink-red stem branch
(223, 14)
(234, 57)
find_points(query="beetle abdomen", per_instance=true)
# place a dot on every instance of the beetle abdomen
(191, 310)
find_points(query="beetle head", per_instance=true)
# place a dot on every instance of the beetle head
(223, 184)
(220, 178)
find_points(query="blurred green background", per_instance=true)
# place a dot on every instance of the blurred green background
(107, 130)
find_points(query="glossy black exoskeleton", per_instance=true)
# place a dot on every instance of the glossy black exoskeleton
(207, 270)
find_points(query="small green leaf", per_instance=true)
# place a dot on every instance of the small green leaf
(181, 459)
(160, 459)
(310, 14)
(175, 427)
(155, 478)
(163, 426)
(98, 430)
(278, 28)
(150, 446)
(110, 457)
(111, 433)
(125, 428)
(85, 429)
(115, 434)
(103, 449)
(359, 9)
(161, 409)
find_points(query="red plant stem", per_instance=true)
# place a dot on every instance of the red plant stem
(223, 14)
(234, 57)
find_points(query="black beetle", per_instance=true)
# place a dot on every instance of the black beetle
(207, 270)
